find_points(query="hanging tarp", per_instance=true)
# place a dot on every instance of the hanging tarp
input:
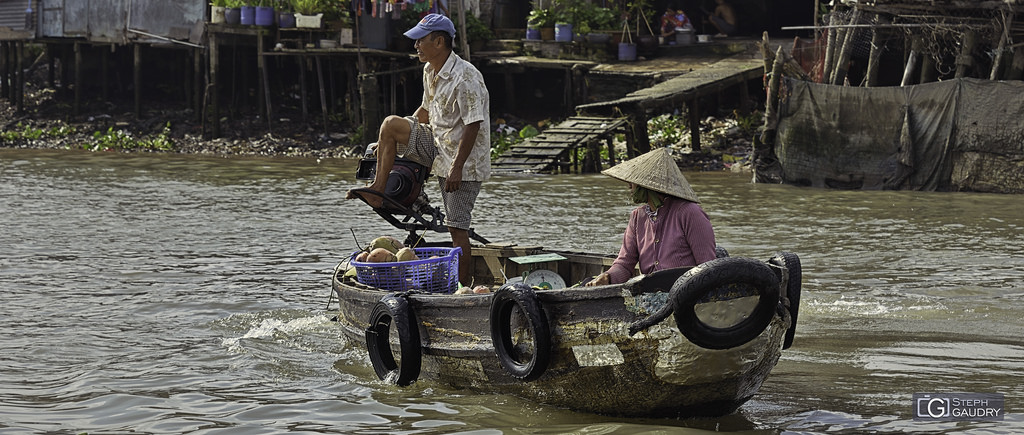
(963, 134)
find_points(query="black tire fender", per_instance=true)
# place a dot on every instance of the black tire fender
(394, 309)
(509, 296)
(792, 263)
(709, 276)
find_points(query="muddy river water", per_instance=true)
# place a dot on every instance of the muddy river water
(184, 294)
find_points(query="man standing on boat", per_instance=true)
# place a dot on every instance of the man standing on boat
(669, 229)
(449, 132)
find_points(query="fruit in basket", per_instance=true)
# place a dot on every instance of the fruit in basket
(381, 255)
(406, 254)
(387, 242)
(361, 257)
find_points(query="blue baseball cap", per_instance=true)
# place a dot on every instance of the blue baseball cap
(431, 23)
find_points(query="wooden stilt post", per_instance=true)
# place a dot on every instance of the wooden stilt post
(1016, 70)
(51, 77)
(928, 72)
(213, 88)
(19, 90)
(641, 137)
(302, 86)
(262, 96)
(197, 80)
(368, 95)
(5, 69)
(78, 79)
(965, 60)
(264, 78)
(137, 69)
(323, 96)
(105, 74)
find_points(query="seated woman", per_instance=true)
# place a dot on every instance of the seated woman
(668, 229)
(671, 22)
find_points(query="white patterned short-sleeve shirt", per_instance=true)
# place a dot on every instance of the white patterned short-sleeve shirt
(455, 97)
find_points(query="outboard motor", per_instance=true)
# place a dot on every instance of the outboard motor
(405, 181)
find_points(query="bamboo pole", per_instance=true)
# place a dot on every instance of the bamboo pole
(842, 64)
(771, 110)
(908, 72)
(873, 58)
(997, 63)
(830, 49)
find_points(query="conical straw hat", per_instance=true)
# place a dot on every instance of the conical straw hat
(656, 170)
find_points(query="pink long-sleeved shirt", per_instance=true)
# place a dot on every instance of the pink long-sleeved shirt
(680, 235)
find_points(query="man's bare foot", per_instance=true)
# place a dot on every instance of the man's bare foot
(375, 201)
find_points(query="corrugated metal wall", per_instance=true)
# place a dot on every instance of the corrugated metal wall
(12, 13)
(110, 20)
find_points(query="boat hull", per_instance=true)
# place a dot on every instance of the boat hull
(595, 365)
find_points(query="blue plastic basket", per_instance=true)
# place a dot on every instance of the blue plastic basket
(434, 275)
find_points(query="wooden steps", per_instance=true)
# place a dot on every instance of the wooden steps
(554, 149)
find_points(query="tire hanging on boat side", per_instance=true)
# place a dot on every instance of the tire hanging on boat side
(508, 297)
(394, 309)
(710, 276)
(792, 262)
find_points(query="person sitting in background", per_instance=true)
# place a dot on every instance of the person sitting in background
(671, 22)
(668, 229)
(724, 19)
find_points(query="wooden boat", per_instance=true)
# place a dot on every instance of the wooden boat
(681, 342)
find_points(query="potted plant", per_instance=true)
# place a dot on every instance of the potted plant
(542, 20)
(217, 11)
(477, 33)
(593, 20)
(248, 13)
(564, 13)
(232, 11)
(285, 15)
(307, 13)
(264, 14)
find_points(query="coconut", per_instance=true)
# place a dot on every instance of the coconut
(464, 291)
(381, 255)
(361, 257)
(390, 243)
(480, 289)
(406, 254)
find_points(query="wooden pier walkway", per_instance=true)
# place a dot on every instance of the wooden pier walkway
(554, 149)
(683, 90)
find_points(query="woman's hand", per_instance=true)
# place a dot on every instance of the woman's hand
(602, 279)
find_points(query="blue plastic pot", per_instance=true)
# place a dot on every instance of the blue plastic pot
(627, 51)
(248, 15)
(563, 32)
(232, 15)
(264, 16)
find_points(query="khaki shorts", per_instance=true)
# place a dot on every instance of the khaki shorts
(422, 149)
